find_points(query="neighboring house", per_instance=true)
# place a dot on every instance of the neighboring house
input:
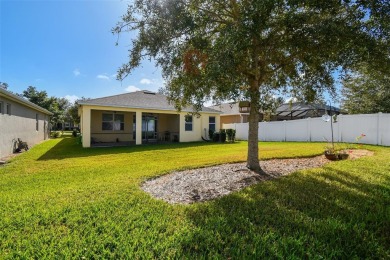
(141, 117)
(21, 119)
(232, 113)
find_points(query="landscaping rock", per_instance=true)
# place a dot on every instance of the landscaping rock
(208, 183)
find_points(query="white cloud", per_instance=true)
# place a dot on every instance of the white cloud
(132, 88)
(76, 72)
(105, 77)
(146, 81)
(71, 98)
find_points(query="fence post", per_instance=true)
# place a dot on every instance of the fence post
(378, 132)
(339, 128)
(308, 129)
(285, 130)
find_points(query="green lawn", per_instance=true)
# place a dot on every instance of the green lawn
(61, 201)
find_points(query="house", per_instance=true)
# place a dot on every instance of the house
(233, 113)
(141, 117)
(21, 119)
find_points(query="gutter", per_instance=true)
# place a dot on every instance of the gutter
(145, 108)
(23, 101)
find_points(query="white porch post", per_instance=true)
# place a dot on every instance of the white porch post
(86, 127)
(138, 129)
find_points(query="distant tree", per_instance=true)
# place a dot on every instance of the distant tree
(58, 106)
(72, 112)
(4, 85)
(269, 106)
(366, 91)
(211, 49)
(39, 98)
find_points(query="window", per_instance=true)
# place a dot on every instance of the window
(188, 123)
(37, 122)
(1, 108)
(212, 123)
(113, 122)
(8, 109)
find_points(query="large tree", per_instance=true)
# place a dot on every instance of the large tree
(226, 49)
(366, 91)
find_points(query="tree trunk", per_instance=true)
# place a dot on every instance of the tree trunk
(253, 139)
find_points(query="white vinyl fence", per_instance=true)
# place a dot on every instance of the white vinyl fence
(376, 127)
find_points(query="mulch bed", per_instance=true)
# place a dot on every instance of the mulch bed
(197, 185)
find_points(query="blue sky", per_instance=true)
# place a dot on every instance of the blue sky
(67, 49)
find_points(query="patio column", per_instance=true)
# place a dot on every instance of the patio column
(138, 127)
(86, 126)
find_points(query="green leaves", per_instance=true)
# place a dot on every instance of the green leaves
(274, 41)
(252, 46)
(366, 91)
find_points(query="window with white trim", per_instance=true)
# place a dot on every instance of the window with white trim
(113, 122)
(212, 123)
(188, 122)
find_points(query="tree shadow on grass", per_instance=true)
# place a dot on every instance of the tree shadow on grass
(69, 148)
(325, 213)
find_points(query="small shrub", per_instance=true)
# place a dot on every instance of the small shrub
(216, 137)
(55, 134)
(231, 135)
(222, 133)
(211, 134)
(75, 132)
(79, 139)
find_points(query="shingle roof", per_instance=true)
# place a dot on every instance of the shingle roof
(139, 99)
(23, 101)
(231, 108)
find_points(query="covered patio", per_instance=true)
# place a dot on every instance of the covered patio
(119, 128)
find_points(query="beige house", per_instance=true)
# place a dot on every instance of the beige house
(231, 113)
(141, 117)
(21, 119)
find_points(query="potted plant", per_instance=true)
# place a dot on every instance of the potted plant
(334, 154)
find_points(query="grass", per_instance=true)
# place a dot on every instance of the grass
(61, 201)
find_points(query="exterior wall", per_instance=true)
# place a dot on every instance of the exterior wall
(199, 124)
(111, 136)
(172, 121)
(168, 122)
(376, 127)
(233, 119)
(20, 124)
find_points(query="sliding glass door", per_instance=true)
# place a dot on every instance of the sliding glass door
(149, 128)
